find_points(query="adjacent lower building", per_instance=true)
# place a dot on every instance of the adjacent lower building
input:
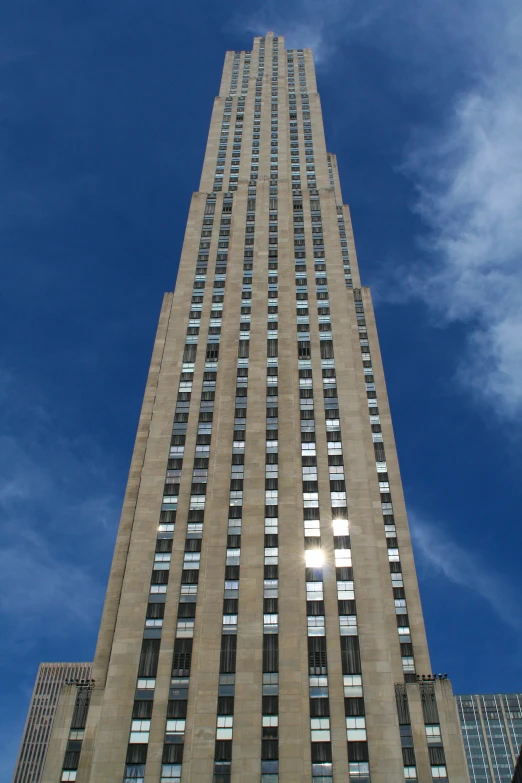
(263, 621)
(492, 732)
(40, 716)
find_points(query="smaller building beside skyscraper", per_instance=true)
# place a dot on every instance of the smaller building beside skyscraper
(492, 732)
(40, 717)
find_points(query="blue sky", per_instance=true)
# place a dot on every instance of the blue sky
(105, 109)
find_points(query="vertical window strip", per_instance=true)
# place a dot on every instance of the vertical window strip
(256, 133)
(408, 750)
(235, 73)
(401, 610)
(73, 748)
(302, 70)
(223, 144)
(311, 181)
(270, 685)
(226, 687)
(254, 164)
(236, 148)
(246, 73)
(295, 169)
(178, 694)
(437, 756)
(344, 247)
(320, 737)
(330, 171)
(350, 649)
(274, 163)
(146, 682)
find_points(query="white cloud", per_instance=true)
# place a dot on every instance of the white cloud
(466, 167)
(465, 568)
(469, 185)
(306, 24)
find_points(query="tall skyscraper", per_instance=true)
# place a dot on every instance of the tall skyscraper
(492, 732)
(263, 619)
(40, 717)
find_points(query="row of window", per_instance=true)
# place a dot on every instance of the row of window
(307, 127)
(344, 248)
(235, 73)
(355, 717)
(225, 710)
(291, 60)
(223, 144)
(270, 699)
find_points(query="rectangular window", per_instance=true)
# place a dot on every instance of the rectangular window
(191, 560)
(271, 556)
(162, 561)
(175, 731)
(140, 730)
(231, 589)
(271, 588)
(233, 556)
(348, 625)
(312, 527)
(224, 728)
(170, 773)
(316, 626)
(343, 558)
(352, 686)
(433, 735)
(185, 629)
(320, 729)
(340, 527)
(270, 623)
(229, 623)
(345, 591)
(356, 729)
(314, 591)
(146, 684)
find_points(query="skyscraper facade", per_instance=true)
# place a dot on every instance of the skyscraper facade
(262, 619)
(40, 717)
(492, 732)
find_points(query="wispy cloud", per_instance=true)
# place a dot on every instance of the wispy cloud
(435, 548)
(468, 177)
(466, 166)
(304, 24)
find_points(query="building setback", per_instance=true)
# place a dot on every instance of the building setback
(492, 732)
(40, 717)
(262, 619)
